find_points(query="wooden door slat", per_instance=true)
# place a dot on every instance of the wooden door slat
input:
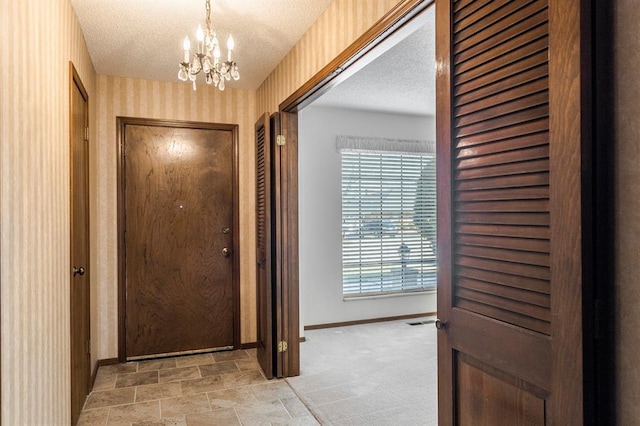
(533, 219)
(531, 271)
(538, 232)
(504, 61)
(505, 304)
(492, 15)
(505, 316)
(507, 280)
(519, 45)
(522, 94)
(518, 23)
(525, 142)
(505, 120)
(530, 193)
(503, 206)
(536, 126)
(530, 101)
(537, 167)
(514, 181)
(495, 76)
(517, 80)
(523, 244)
(464, 8)
(506, 255)
(531, 297)
(528, 154)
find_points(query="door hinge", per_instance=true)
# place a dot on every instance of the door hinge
(88, 346)
(280, 140)
(86, 134)
(282, 346)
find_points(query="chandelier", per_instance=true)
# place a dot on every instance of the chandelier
(207, 58)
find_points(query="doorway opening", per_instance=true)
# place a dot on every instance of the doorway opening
(366, 176)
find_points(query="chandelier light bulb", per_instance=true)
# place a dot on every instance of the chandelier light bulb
(230, 46)
(186, 45)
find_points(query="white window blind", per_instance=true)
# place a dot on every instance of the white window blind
(388, 218)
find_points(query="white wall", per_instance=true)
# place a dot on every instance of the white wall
(320, 213)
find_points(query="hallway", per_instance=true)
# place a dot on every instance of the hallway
(370, 374)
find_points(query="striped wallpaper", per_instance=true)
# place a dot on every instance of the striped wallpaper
(175, 101)
(38, 39)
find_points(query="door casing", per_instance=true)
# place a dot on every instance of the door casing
(235, 248)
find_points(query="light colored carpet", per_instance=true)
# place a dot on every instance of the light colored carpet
(373, 374)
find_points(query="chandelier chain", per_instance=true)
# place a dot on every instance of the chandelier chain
(208, 21)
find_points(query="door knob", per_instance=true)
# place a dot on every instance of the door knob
(78, 271)
(226, 252)
(439, 324)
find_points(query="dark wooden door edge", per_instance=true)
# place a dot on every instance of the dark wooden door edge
(75, 82)
(368, 321)
(121, 123)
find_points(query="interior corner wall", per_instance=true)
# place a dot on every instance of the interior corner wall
(627, 209)
(129, 97)
(37, 41)
(320, 207)
(337, 27)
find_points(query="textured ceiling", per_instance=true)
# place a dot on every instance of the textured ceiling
(401, 80)
(143, 38)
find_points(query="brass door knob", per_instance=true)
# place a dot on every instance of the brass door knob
(439, 324)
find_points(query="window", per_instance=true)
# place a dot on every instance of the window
(388, 219)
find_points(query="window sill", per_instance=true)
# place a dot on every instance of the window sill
(352, 298)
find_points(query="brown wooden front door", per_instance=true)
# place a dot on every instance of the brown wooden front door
(512, 133)
(180, 232)
(79, 284)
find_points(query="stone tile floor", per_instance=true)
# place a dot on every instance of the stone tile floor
(223, 388)
(373, 374)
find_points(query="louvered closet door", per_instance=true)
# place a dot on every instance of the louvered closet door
(264, 271)
(509, 212)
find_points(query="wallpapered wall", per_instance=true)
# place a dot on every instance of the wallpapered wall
(38, 39)
(163, 100)
(338, 27)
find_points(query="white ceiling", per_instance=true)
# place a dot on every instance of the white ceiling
(401, 80)
(143, 39)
